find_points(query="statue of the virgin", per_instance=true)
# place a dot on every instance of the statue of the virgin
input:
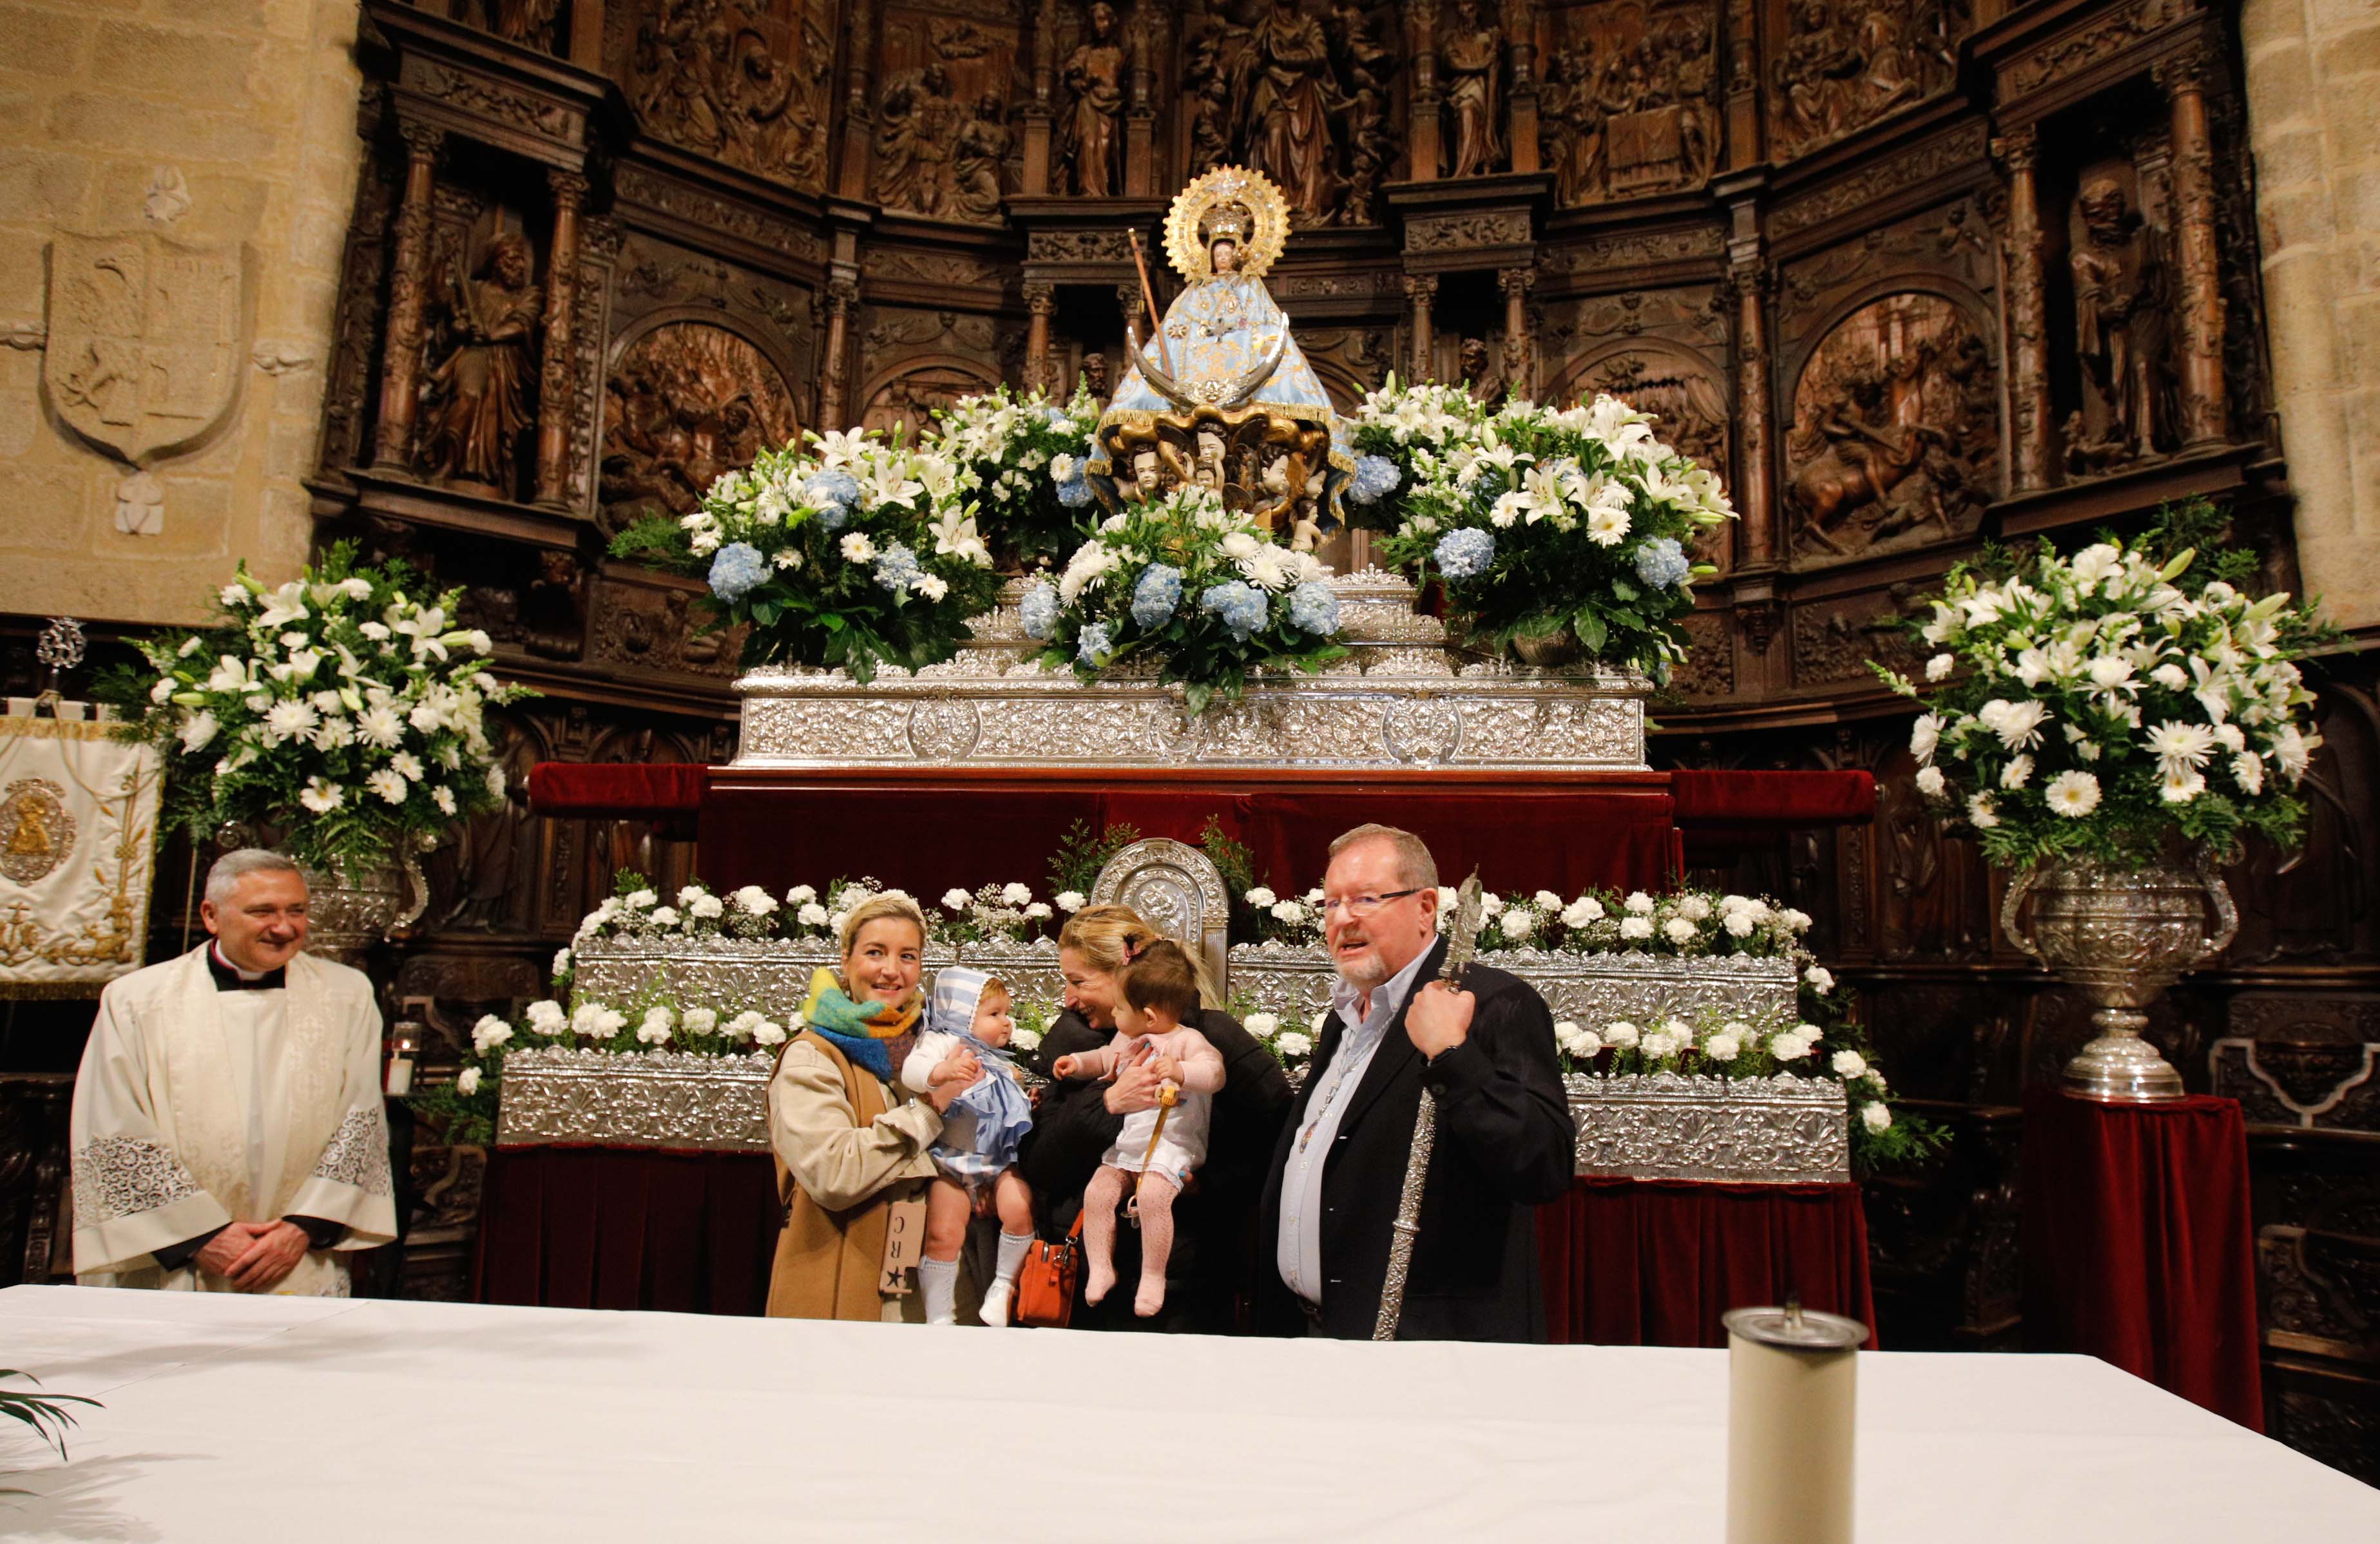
(1222, 396)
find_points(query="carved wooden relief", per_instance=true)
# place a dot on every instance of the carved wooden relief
(1895, 434)
(1629, 100)
(1300, 90)
(685, 402)
(909, 398)
(1841, 66)
(942, 140)
(2122, 289)
(747, 82)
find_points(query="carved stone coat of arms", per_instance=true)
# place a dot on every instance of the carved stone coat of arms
(146, 340)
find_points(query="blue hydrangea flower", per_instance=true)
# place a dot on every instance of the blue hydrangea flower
(1661, 563)
(737, 571)
(1093, 645)
(1154, 596)
(896, 568)
(1075, 492)
(1314, 608)
(832, 493)
(1038, 611)
(1374, 475)
(1465, 552)
(1240, 604)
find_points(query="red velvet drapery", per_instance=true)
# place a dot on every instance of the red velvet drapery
(627, 1228)
(2138, 1245)
(1656, 1262)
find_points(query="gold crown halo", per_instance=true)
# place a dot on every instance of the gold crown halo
(1269, 215)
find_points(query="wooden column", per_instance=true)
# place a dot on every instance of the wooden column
(1421, 289)
(835, 378)
(400, 360)
(1135, 308)
(1421, 32)
(587, 34)
(2204, 421)
(858, 118)
(1140, 110)
(2033, 458)
(1748, 280)
(1041, 299)
(557, 383)
(1520, 348)
(1521, 56)
(1038, 113)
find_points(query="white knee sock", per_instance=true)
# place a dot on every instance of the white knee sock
(939, 1280)
(1012, 1254)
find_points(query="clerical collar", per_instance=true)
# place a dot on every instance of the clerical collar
(231, 978)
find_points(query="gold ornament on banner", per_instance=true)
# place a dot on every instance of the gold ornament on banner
(36, 832)
(1228, 200)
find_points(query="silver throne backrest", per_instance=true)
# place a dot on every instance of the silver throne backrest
(1177, 890)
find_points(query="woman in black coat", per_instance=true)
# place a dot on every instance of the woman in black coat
(1213, 1269)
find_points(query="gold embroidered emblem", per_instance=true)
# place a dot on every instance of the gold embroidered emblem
(36, 832)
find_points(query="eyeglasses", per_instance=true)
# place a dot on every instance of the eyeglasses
(1364, 905)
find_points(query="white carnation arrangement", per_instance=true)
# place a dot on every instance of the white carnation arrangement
(1192, 586)
(2100, 705)
(848, 549)
(344, 709)
(636, 911)
(1539, 519)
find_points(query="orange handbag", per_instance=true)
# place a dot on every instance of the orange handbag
(1045, 1283)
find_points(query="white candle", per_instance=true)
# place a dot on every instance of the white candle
(1792, 1379)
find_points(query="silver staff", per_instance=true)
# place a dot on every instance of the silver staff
(1462, 943)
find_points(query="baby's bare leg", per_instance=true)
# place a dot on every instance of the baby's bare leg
(1013, 1199)
(1100, 1199)
(948, 1207)
(1157, 1193)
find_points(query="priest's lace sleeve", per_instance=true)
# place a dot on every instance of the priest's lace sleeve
(349, 1182)
(132, 1195)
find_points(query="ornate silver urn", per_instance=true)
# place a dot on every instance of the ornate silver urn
(349, 909)
(2122, 937)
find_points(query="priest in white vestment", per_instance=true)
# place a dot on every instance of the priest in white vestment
(227, 1130)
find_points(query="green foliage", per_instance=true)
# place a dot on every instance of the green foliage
(46, 1415)
(1082, 852)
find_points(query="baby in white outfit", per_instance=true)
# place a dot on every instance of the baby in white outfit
(1157, 989)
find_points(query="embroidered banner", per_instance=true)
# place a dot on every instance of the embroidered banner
(78, 855)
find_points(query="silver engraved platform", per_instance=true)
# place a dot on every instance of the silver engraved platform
(670, 1099)
(1590, 990)
(1401, 699)
(1782, 1130)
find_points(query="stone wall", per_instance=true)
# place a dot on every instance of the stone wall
(2313, 112)
(176, 182)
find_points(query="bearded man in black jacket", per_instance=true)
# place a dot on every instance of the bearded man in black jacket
(1504, 1142)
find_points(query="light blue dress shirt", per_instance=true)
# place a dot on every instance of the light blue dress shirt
(1299, 1248)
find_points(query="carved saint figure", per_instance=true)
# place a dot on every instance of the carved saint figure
(975, 163)
(1290, 109)
(478, 397)
(1469, 60)
(2120, 320)
(917, 127)
(1089, 141)
(1365, 69)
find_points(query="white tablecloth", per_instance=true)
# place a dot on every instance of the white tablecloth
(253, 1419)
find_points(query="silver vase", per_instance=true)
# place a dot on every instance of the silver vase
(351, 907)
(1547, 650)
(2122, 937)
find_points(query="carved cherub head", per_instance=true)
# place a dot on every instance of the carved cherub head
(1146, 478)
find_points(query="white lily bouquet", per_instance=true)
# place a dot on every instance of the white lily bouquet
(2096, 705)
(1023, 455)
(849, 550)
(1538, 520)
(338, 709)
(1192, 585)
